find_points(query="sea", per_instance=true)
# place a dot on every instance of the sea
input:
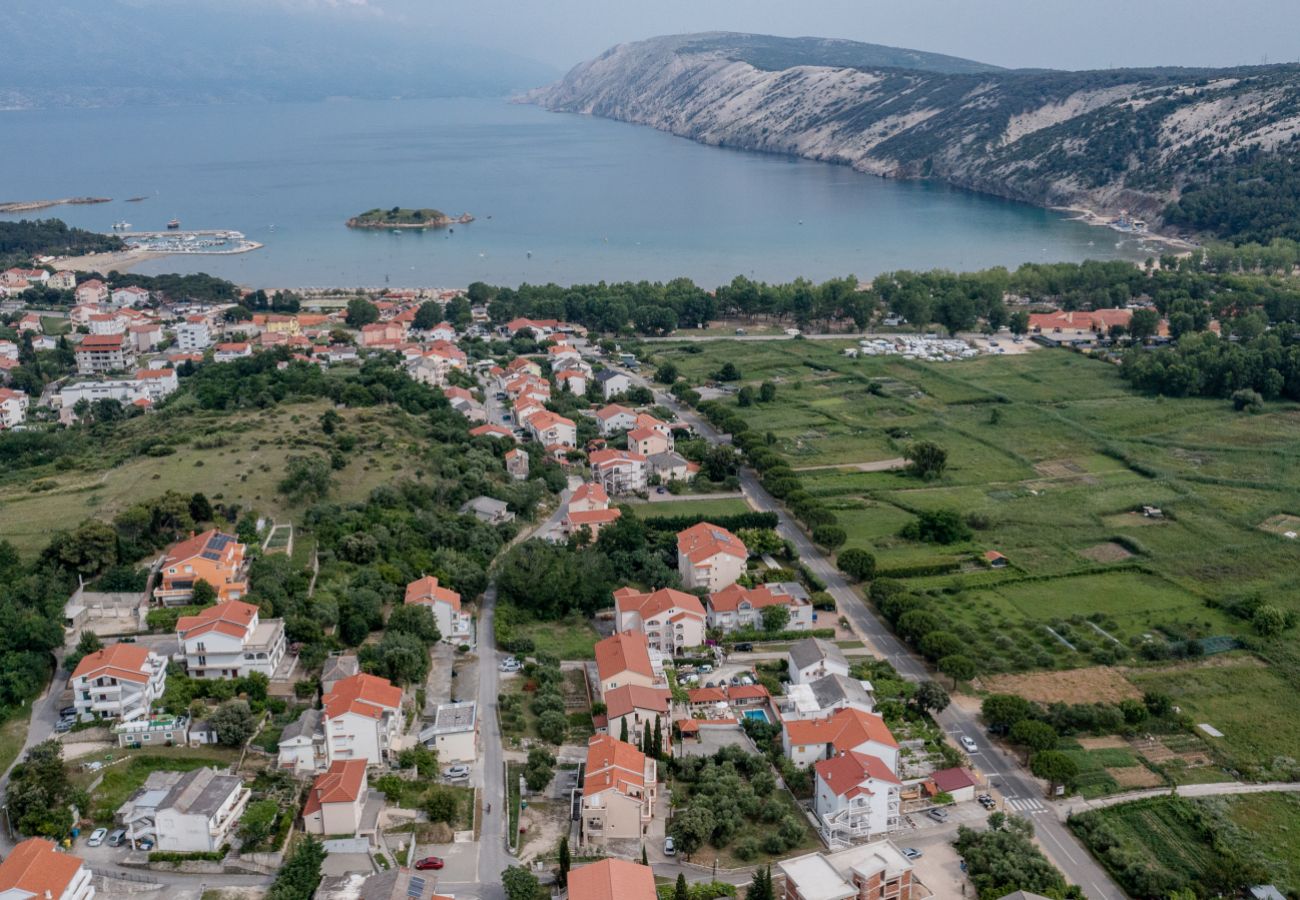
(557, 198)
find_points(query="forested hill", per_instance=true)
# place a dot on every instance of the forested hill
(1112, 140)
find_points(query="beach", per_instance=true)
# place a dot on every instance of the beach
(120, 261)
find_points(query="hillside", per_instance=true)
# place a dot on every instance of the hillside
(1107, 140)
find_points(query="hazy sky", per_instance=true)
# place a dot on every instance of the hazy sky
(1035, 33)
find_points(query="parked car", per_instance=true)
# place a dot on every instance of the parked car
(456, 772)
(661, 490)
(968, 743)
(145, 844)
(939, 815)
(117, 838)
(706, 668)
(670, 847)
(986, 801)
(97, 837)
(912, 853)
(429, 862)
(710, 684)
(745, 679)
(745, 647)
(692, 679)
(735, 679)
(63, 726)
(67, 712)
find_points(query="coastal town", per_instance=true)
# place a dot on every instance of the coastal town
(212, 731)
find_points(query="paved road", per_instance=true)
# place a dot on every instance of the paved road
(44, 716)
(493, 857)
(1022, 792)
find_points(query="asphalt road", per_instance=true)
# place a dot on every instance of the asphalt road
(1002, 769)
(493, 857)
(44, 716)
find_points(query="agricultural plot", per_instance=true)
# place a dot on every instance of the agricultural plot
(725, 506)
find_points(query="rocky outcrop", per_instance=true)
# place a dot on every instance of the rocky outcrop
(1108, 140)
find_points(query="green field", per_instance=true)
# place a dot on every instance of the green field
(726, 506)
(1051, 458)
(235, 458)
(1156, 846)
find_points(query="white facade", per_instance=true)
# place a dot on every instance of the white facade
(37, 870)
(231, 641)
(13, 408)
(856, 796)
(454, 732)
(613, 383)
(619, 471)
(186, 812)
(193, 336)
(119, 682)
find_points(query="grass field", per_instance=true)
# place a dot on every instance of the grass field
(1051, 457)
(726, 506)
(235, 458)
(1270, 821)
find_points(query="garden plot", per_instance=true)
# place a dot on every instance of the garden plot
(1087, 685)
(1106, 552)
(1284, 524)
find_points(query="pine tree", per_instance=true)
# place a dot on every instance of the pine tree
(659, 740)
(682, 892)
(564, 862)
(646, 744)
(622, 731)
(760, 888)
(644, 859)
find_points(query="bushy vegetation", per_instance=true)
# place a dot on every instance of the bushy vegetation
(25, 239)
(1004, 859)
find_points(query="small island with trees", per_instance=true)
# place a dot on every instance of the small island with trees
(400, 217)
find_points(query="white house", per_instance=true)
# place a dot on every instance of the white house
(819, 698)
(454, 732)
(337, 799)
(92, 292)
(107, 323)
(185, 812)
(814, 658)
(453, 625)
(856, 796)
(612, 383)
(671, 620)
(862, 872)
(37, 870)
(363, 719)
(302, 743)
(615, 418)
(618, 791)
(709, 556)
(193, 334)
(636, 706)
(619, 471)
(740, 607)
(232, 351)
(625, 658)
(118, 682)
(550, 429)
(13, 408)
(100, 353)
(129, 296)
(230, 640)
(63, 281)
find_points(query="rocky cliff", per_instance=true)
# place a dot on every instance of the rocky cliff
(1105, 140)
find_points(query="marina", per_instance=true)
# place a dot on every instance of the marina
(172, 241)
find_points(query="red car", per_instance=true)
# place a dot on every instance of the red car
(429, 862)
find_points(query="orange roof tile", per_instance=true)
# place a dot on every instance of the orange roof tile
(341, 783)
(628, 697)
(426, 590)
(611, 763)
(232, 617)
(37, 867)
(706, 540)
(366, 695)
(845, 729)
(612, 879)
(594, 517)
(125, 662)
(590, 492)
(662, 600)
(602, 458)
(628, 651)
(844, 774)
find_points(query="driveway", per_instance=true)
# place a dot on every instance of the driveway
(939, 867)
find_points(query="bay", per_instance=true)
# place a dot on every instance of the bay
(557, 197)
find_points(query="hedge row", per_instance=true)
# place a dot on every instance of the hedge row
(734, 522)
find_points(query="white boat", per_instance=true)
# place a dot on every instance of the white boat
(121, 226)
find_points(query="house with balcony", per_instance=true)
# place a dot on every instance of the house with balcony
(874, 871)
(101, 353)
(821, 697)
(194, 334)
(812, 658)
(363, 720)
(612, 383)
(626, 658)
(302, 742)
(671, 620)
(807, 741)
(212, 556)
(619, 789)
(185, 812)
(118, 682)
(588, 508)
(92, 292)
(856, 797)
(336, 802)
(615, 418)
(709, 556)
(550, 429)
(637, 709)
(37, 870)
(619, 471)
(444, 603)
(736, 607)
(153, 731)
(13, 408)
(230, 640)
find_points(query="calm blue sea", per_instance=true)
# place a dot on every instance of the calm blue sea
(589, 199)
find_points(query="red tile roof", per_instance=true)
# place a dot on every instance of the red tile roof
(612, 879)
(846, 773)
(36, 867)
(232, 617)
(954, 779)
(729, 598)
(595, 517)
(614, 409)
(590, 492)
(125, 662)
(366, 695)
(342, 783)
(628, 697)
(628, 651)
(602, 458)
(611, 763)
(426, 590)
(704, 541)
(662, 600)
(845, 729)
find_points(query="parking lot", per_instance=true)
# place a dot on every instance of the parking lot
(939, 866)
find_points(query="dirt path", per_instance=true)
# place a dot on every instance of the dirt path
(879, 465)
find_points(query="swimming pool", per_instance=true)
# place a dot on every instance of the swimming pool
(760, 714)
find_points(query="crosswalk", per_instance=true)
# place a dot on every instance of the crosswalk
(1025, 804)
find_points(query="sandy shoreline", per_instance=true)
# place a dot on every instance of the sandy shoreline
(1092, 217)
(121, 261)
